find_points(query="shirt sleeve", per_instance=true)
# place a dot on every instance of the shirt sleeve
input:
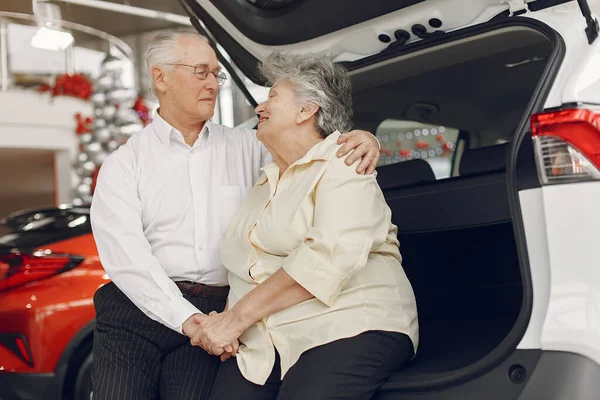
(125, 253)
(351, 219)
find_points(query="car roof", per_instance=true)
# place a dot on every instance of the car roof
(40, 226)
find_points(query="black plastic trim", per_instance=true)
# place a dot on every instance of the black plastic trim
(75, 342)
(561, 375)
(543, 4)
(504, 381)
(535, 105)
(592, 27)
(527, 168)
(570, 106)
(524, 375)
(25, 386)
(435, 23)
(465, 138)
(537, 5)
(62, 366)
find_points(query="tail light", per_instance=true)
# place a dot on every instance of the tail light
(18, 268)
(567, 145)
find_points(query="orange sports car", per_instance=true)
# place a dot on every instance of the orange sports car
(49, 272)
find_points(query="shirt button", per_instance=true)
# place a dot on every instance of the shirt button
(200, 248)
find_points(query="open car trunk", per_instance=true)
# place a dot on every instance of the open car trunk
(460, 234)
(457, 234)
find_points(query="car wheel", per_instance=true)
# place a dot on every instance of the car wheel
(83, 383)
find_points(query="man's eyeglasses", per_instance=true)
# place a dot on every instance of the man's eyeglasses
(201, 72)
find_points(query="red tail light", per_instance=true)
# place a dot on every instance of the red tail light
(23, 349)
(18, 268)
(17, 344)
(567, 145)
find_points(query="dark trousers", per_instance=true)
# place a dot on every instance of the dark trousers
(348, 369)
(138, 358)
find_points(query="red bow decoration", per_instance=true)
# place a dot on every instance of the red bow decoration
(76, 85)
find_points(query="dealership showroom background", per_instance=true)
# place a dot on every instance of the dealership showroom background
(41, 156)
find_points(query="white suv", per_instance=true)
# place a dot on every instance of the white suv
(488, 113)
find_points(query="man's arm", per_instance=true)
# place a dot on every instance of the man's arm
(116, 216)
(363, 145)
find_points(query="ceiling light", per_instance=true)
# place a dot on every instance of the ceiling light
(51, 39)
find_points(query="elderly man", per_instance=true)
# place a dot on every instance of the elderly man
(161, 204)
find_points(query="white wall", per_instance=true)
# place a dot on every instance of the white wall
(31, 120)
(24, 58)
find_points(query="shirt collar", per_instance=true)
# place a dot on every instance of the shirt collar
(323, 150)
(166, 132)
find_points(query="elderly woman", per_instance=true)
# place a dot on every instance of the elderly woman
(319, 300)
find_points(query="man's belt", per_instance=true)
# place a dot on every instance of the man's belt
(201, 290)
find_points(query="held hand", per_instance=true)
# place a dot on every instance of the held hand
(190, 326)
(364, 145)
(217, 331)
(230, 350)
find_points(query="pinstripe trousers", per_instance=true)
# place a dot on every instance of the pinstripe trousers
(136, 357)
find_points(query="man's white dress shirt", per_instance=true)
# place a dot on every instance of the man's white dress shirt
(160, 208)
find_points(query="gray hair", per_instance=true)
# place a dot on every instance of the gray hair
(317, 79)
(161, 50)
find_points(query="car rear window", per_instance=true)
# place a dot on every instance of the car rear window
(408, 140)
(29, 229)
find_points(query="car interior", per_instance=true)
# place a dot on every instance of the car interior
(456, 234)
